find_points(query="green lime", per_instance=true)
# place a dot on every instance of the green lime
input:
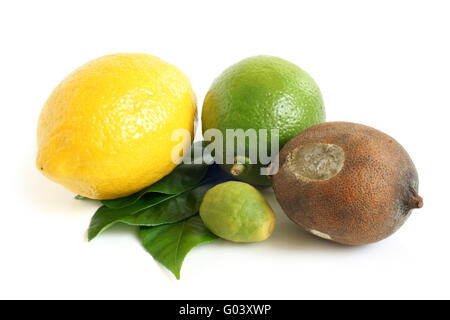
(238, 212)
(262, 92)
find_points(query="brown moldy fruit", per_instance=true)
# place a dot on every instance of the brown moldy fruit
(346, 182)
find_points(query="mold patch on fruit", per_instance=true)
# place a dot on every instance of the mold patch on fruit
(315, 161)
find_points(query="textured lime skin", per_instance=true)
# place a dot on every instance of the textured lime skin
(263, 92)
(238, 212)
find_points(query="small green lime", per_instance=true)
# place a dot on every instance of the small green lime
(262, 92)
(238, 212)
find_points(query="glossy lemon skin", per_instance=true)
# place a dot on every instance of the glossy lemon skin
(106, 130)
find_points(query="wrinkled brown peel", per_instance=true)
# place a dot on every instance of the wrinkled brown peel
(364, 201)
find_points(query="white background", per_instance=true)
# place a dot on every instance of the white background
(380, 63)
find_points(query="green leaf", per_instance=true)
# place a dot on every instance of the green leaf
(170, 243)
(181, 179)
(176, 209)
(157, 210)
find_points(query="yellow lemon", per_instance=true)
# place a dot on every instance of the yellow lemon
(106, 130)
